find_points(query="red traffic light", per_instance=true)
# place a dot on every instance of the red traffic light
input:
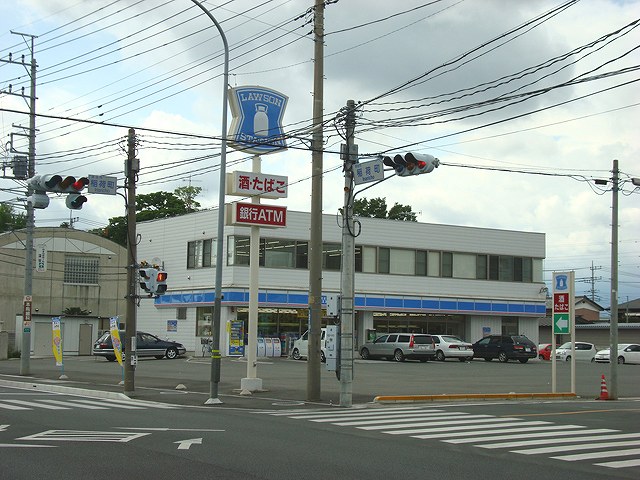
(162, 276)
(80, 183)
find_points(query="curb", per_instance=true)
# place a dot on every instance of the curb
(61, 389)
(471, 396)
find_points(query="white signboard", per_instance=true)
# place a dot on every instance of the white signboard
(41, 258)
(102, 184)
(366, 172)
(247, 184)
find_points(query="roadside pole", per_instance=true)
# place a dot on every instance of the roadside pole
(613, 324)
(347, 278)
(132, 166)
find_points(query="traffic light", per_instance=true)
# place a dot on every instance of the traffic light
(411, 163)
(59, 184)
(161, 282)
(148, 280)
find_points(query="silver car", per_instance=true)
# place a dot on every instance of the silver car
(400, 346)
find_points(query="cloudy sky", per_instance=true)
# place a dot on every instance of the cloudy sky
(526, 104)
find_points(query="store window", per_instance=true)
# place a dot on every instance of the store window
(447, 264)
(509, 326)
(402, 261)
(331, 256)
(81, 269)
(464, 265)
(279, 253)
(204, 321)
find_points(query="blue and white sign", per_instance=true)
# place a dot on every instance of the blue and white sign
(366, 172)
(256, 126)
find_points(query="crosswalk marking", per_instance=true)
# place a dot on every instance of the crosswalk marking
(63, 403)
(517, 435)
(589, 456)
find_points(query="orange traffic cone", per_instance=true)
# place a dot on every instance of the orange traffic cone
(604, 393)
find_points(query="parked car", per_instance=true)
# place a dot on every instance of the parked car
(400, 346)
(450, 346)
(301, 346)
(505, 348)
(627, 353)
(544, 351)
(584, 352)
(147, 345)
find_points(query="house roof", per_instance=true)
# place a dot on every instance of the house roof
(630, 305)
(586, 299)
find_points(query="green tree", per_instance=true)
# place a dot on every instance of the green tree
(150, 206)
(10, 220)
(377, 208)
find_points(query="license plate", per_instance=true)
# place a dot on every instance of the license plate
(463, 348)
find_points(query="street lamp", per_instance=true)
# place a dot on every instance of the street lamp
(215, 348)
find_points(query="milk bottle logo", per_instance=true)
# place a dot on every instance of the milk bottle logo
(256, 126)
(261, 121)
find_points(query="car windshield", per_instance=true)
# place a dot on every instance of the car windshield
(521, 339)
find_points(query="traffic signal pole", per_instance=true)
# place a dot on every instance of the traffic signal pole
(347, 277)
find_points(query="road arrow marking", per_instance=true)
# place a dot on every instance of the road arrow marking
(186, 444)
(3, 428)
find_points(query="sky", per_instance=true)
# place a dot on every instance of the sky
(525, 104)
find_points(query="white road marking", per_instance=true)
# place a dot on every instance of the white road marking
(186, 444)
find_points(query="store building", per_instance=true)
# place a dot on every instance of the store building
(411, 277)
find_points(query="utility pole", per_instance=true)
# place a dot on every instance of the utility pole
(132, 167)
(315, 239)
(347, 277)
(613, 325)
(25, 353)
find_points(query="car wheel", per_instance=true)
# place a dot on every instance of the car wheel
(296, 354)
(523, 360)
(568, 358)
(440, 356)
(364, 353)
(621, 360)
(593, 359)
(488, 359)
(111, 358)
(171, 353)
(398, 356)
(502, 357)
(322, 357)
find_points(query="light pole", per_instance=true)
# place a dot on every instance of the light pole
(215, 348)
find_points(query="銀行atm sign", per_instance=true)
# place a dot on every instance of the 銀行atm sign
(258, 215)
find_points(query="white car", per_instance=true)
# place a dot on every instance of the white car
(450, 346)
(584, 351)
(627, 353)
(301, 346)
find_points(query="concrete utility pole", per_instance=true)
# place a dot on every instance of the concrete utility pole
(132, 167)
(347, 279)
(613, 325)
(315, 238)
(25, 353)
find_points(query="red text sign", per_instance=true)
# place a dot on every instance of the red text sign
(260, 215)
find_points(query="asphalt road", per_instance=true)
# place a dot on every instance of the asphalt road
(52, 435)
(285, 380)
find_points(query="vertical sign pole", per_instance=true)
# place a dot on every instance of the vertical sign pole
(251, 383)
(572, 326)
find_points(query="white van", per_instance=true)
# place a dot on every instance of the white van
(301, 346)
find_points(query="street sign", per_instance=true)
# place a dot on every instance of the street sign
(258, 215)
(366, 172)
(563, 299)
(102, 184)
(256, 126)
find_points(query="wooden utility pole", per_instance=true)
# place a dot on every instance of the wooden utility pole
(132, 167)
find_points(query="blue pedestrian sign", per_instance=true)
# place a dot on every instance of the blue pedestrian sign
(256, 126)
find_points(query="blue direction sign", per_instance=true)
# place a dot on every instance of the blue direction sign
(256, 126)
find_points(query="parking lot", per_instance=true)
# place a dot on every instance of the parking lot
(284, 378)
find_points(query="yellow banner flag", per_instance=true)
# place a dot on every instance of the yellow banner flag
(115, 338)
(56, 340)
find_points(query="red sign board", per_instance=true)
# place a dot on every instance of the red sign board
(258, 214)
(560, 303)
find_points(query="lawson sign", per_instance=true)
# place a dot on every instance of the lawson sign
(256, 126)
